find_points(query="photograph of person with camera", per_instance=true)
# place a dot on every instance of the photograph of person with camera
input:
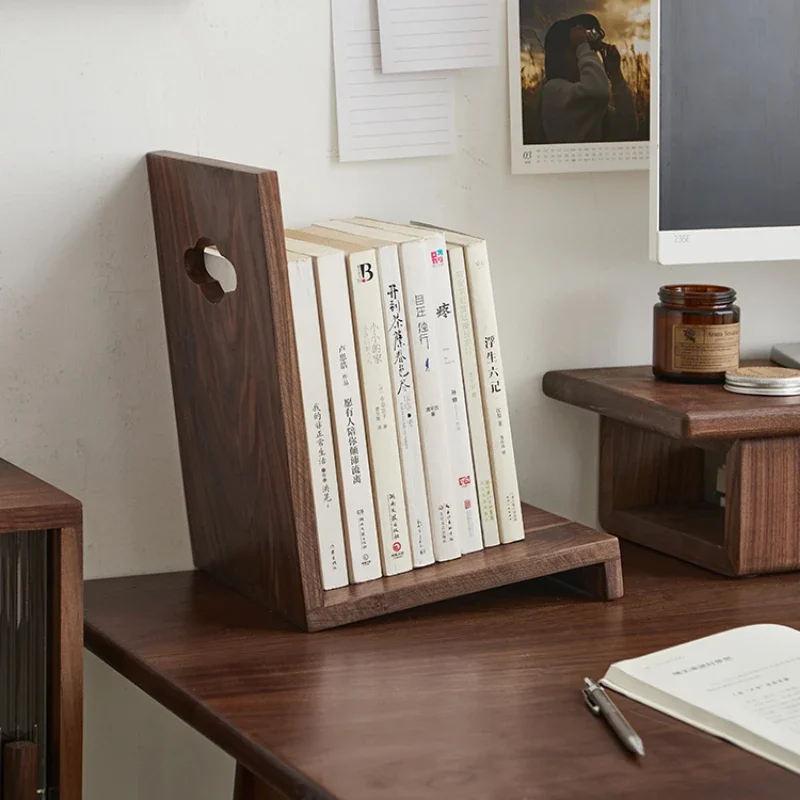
(584, 81)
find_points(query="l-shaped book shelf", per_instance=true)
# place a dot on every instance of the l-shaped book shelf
(241, 430)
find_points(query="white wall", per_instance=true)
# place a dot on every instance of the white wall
(87, 87)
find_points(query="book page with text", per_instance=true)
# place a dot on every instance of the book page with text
(742, 684)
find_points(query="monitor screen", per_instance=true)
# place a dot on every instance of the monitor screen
(726, 168)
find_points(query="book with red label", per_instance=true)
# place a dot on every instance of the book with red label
(472, 392)
(493, 384)
(426, 367)
(453, 409)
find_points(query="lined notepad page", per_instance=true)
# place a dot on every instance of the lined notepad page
(421, 35)
(385, 116)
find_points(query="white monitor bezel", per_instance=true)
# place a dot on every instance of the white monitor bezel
(724, 245)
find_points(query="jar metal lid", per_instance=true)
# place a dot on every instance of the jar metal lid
(774, 377)
(765, 391)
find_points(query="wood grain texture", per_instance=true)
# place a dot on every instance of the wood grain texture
(28, 503)
(651, 492)
(238, 405)
(641, 468)
(476, 698)
(248, 787)
(236, 383)
(66, 658)
(601, 580)
(19, 771)
(552, 545)
(682, 411)
(763, 505)
(655, 441)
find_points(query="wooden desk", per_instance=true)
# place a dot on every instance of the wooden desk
(473, 699)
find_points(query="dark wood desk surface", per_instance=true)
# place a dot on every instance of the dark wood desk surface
(472, 699)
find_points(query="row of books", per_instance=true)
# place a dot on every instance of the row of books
(404, 398)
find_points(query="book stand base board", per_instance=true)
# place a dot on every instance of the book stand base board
(582, 558)
(241, 433)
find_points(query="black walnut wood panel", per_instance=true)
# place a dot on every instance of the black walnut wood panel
(19, 771)
(656, 442)
(680, 410)
(241, 430)
(28, 503)
(231, 365)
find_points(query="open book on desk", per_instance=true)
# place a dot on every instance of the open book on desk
(742, 685)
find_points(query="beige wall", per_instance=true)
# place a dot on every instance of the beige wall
(86, 88)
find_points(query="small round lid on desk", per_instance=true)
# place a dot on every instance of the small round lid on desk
(767, 381)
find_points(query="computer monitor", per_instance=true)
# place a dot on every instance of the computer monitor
(725, 171)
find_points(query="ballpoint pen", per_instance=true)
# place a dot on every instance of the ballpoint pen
(600, 704)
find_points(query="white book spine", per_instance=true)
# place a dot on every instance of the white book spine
(348, 420)
(319, 432)
(404, 392)
(376, 387)
(472, 390)
(433, 433)
(466, 512)
(493, 388)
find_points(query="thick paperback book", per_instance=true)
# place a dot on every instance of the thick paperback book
(446, 362)
(472, 392)
(493, 384)
(347, 410)
(425, 361)
(376, 390)
(316, 413)
(404, 391)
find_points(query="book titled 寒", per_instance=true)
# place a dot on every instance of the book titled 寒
(484, 482)
(350, 437)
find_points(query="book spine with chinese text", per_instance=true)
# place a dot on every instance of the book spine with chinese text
(474, 402)
(381, 426)
(316, 412)
(350, 436)
(493, 388)
(385, 243)
(404, 393)
(466, 511)
(425, 369)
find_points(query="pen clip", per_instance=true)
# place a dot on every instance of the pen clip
(590, 703)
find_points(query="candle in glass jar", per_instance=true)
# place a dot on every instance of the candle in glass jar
(695, 333)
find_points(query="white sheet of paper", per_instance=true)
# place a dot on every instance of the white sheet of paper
(385, 116)
(422, 35)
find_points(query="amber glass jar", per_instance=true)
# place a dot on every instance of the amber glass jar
(695, 333)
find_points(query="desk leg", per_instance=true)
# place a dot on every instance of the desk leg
(249, 787)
